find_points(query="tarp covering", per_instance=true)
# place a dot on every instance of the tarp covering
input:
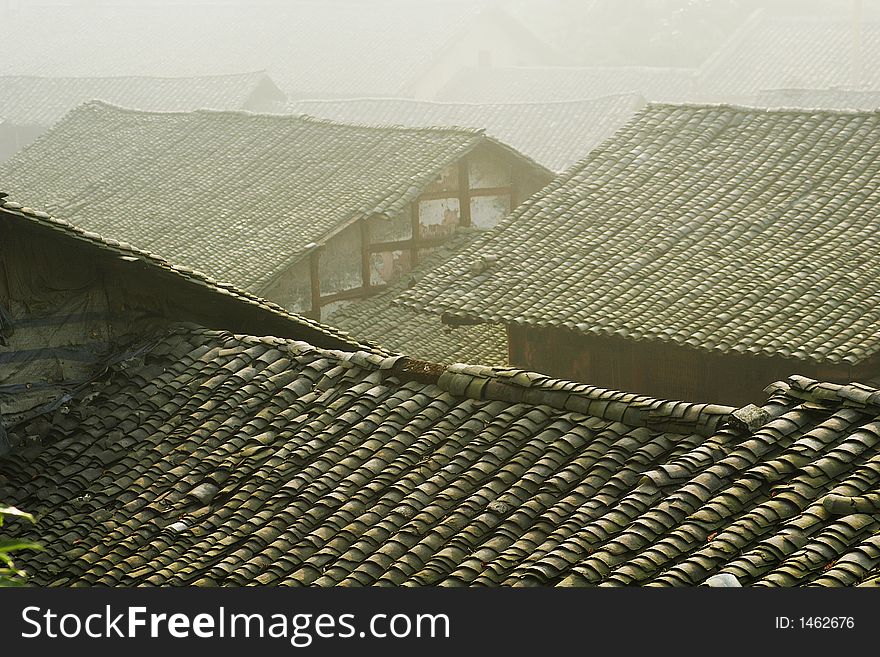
(56, 322)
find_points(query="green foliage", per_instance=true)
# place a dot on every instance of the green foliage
(9, 574)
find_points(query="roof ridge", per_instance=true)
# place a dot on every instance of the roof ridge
(834, 89)
(852, 394)
(242, 74)
(817, 19)
(291, 117)
(484, 383)
(629, 95)
(637, 67)
(753, 109)
(399, 128)
(798, 392)
(515, 385)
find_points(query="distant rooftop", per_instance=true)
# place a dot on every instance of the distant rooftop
(777, 52)
(554, 133)
(820, 99)
(314, 48)
(548, 83)
(32, 100)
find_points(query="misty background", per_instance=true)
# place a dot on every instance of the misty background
(671, 33)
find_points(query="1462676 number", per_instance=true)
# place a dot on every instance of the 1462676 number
(826, 622)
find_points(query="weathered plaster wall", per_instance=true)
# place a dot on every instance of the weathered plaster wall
(292, 289)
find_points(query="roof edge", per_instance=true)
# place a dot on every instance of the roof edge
(290, 116)
(208, 76)
(512, 385)
(123, 249)
(453, 316)
(557, 69)
(623, 95)
(758, 109)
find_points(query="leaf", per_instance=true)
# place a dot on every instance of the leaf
(12, 577)
(15, 513)
(11, 572)
(9, 545)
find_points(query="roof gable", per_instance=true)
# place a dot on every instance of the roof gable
(422, 335)
(267, 188)
(717, 227)
(183, 281)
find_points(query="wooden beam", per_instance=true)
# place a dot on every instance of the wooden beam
(406, 245)
(492, 191)
(476, 191)
(438, 196)
(464, 195)
(315, 282)
(512, 344)
(350, 295)
(416, 228)
(365, 254)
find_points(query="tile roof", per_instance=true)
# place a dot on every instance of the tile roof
(819, 98)
(269, 186)
(223, 459)
(782, 52)
(302, 327)
(717, 227)
(517, 84)
(30, 100)
(309, 47)
(554, 133)
(422, 335)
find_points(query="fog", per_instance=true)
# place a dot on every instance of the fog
(303, 41)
